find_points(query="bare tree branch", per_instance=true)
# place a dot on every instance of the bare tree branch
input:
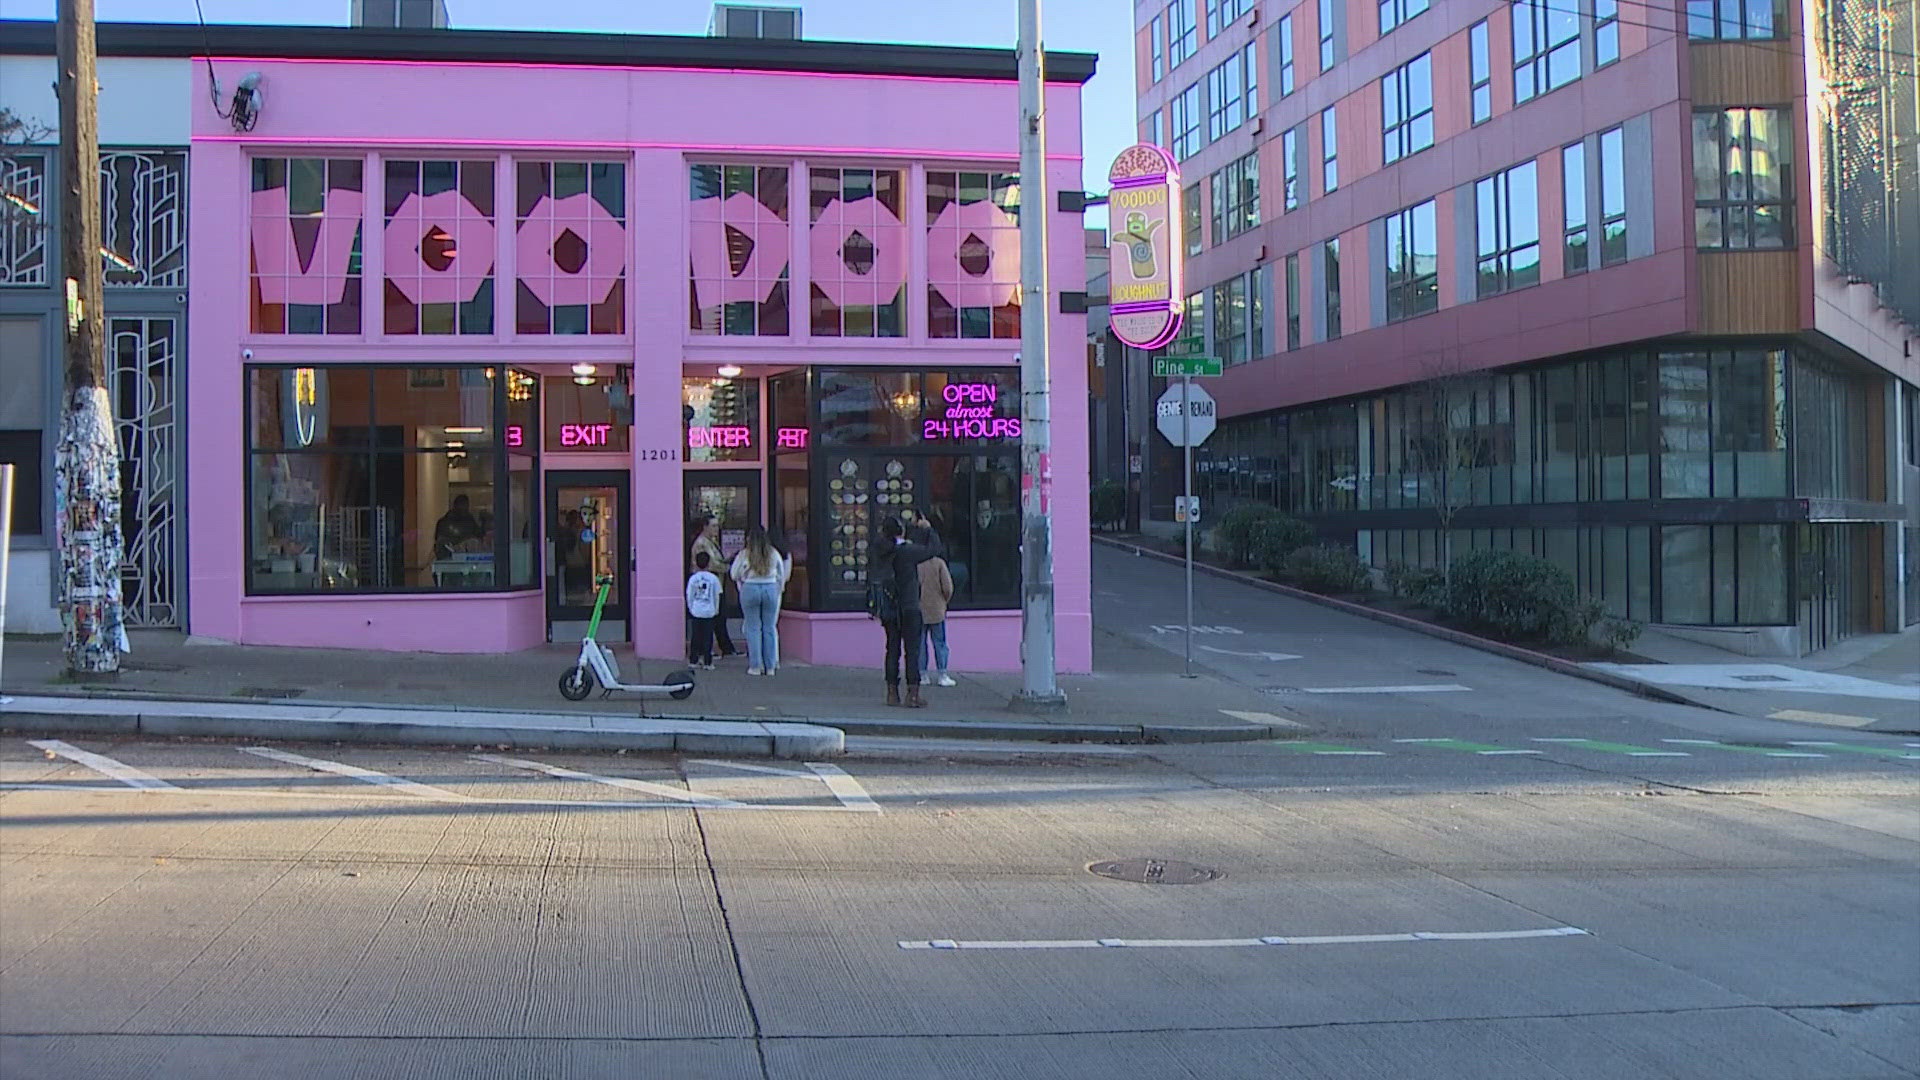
(1444, 444)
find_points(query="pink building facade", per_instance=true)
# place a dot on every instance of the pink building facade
(468, 335)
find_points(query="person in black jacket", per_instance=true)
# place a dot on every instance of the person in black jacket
(898, 562)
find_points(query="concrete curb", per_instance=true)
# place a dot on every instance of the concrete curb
(1458, 637)
(119, 713)
(313, 723)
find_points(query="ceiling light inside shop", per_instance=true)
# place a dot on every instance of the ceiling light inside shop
(584, 369)
(729, 371)
(465, 430)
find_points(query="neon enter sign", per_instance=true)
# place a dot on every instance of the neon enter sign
(729, 437)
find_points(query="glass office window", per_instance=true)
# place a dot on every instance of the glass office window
(1507, 225)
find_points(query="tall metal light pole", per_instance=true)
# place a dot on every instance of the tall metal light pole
(1039, 692)
(86, 464)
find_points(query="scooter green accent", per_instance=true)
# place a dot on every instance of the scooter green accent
(596, 665)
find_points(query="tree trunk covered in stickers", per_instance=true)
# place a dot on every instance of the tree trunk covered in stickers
(86, 464)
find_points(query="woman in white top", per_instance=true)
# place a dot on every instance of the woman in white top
(762, 573)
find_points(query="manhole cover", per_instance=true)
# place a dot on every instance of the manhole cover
(1156, 871)
(1761, 678)
(1437, 671)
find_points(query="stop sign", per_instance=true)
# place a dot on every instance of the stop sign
(1199, 418)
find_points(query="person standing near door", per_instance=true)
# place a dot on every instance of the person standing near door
(895, 568)
(708, 540)
(703, 607)
(936, 590)
(761, 572)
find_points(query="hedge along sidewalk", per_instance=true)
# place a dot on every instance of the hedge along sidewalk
(1407, 622)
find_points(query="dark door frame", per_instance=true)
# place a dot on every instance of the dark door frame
(619, 601)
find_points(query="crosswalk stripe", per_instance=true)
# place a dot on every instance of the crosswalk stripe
(627, 783)
(100, 763)
(844, 787)
(370, 776)
(1855, 748)
(1302, 746)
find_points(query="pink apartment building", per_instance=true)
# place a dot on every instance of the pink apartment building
(477, 317)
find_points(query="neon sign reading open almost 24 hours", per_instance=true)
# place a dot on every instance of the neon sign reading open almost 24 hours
(970, 414)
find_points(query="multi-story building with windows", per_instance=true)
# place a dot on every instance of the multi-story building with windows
(1635, 287)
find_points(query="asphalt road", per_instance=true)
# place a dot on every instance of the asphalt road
(1658, 891)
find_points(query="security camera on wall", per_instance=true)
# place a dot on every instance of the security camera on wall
(247, 100)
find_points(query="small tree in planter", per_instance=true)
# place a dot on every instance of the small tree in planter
(1107, 505)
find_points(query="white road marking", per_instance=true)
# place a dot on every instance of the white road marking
(1836, 719)
(1501, 753)
(885, 744)
(1263, 718)
(100, 763)
(369, 796)
(1237, 943)
(768, 769)
(664, 791)
(425, 791)
(1275, 656)
(1630, 753)
(1415, 688)
(844, 787)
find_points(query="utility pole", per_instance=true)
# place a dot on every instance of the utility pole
(86, 469)
(1039, 691)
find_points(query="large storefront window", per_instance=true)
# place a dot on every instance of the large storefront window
(1724, 575)
(741, 247)
(372, 479)
(305, 245)
(439, 247)
(866, 445)
(570, 247)
(1832, 414)
(1723, 424)
(973, 255)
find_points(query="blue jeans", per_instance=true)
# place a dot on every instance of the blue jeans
(934, 647)
(761, 603)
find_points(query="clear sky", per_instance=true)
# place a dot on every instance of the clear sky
(1099, 26)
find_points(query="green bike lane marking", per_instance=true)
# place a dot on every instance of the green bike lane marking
(1628, 749)
(1299, 746)
(1484, 749)
(1854, 748)
(1763, 751)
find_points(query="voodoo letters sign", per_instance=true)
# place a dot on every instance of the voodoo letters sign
(1144, 209)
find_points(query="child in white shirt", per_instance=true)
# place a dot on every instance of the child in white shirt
(703, 607)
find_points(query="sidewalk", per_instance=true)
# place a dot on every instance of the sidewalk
(1136, 694)
(1869, 683)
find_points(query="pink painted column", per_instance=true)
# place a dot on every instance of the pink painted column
(1067, 361)
(657, 288)
(216, 481)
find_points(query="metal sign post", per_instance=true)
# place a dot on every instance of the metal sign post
(1186, 470)
(1197, 421)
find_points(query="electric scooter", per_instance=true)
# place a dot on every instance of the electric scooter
(597, 665)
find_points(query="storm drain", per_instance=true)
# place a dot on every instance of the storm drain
(1156, 871)
(1437, 671)
(268, 692)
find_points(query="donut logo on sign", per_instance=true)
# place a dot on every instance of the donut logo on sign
(1148, 263)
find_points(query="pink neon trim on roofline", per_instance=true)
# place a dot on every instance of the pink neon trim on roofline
(267, 142)
(613, 67)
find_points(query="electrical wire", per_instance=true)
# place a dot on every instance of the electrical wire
(213, 80)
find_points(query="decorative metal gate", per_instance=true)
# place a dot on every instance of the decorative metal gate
(144, 382)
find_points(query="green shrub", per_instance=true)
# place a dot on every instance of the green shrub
(1277, 537)
(1324, 568)
(1234, 536)
(1108, 505)
(1620, 633)
(1518, 597)
(1416, 583)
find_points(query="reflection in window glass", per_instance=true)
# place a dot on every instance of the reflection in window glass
(381, 479)
(739, 220)
(973, 255)
(1507, 221)
(1741, 194)
(722, 418)
(1613, 198)
(442, 214)
(305, 234)
(858, 240)
(1573, 187)
(1406, 96)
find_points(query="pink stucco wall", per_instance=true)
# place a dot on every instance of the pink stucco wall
(656, 121)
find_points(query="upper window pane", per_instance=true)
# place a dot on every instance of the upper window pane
(305, 232)
(857, 238)
(571, 247)
(439, 248)
(741, 248)
(973, 255)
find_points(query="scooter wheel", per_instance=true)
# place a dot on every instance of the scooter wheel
(683, 679)
(576, 684)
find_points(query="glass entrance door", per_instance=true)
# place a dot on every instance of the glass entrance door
(586, 540)
(730, 499)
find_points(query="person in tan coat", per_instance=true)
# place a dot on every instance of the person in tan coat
(936, 590)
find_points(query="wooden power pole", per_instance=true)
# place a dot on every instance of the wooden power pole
(86, 471)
